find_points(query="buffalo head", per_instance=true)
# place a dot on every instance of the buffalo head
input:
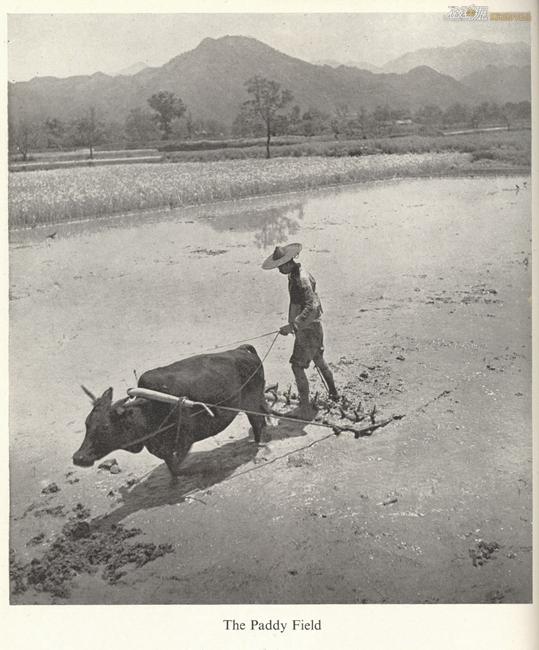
(111, 426)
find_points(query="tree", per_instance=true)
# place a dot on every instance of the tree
(267, 99)
(26, 136)
(209, 128)
(363, 121)
(396, 114)
(494, 113)
(381, 117)
(55, 132)
(484, 113)
(524, 110)
(477, 115)
(140, 127)
(88, 131)
(167, 107)
(189, 125)
(246, 124)
(340, 121)
(313, 121)
(457, 113)
(511, 112)
(294, 120)
(429, 115)
(11, 136)
(114, 134)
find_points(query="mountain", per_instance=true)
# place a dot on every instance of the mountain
(331, 62)
(362, 65)
(510, 84)
(365, 65)
(133, 69)
(210, 80)
(463, 59)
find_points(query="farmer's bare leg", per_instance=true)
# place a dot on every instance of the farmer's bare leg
(302, 383)
(322, 365)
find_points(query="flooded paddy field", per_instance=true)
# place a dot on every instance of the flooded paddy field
(426, 290)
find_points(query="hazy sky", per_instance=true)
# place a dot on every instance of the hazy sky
(67, 44)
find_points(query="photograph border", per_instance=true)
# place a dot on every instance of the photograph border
(391, 627)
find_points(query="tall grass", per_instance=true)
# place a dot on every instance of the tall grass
(67, 194)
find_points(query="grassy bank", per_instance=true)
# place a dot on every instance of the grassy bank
(513, 147)
(53, 196)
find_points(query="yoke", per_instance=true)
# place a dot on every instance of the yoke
(146, 393)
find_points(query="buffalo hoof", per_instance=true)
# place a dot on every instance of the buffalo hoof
(264, 437)
(173, 466)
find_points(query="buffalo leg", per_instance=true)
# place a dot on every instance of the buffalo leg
(175, 459)
(258, 422)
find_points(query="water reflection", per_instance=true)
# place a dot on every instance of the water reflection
(272, 224)
(271, 221)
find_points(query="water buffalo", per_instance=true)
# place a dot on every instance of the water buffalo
(233, 378)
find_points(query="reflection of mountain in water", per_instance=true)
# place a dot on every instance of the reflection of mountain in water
(272, 224)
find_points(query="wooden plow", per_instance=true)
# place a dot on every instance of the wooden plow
(329, 411)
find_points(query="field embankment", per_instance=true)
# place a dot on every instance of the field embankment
(53, 196)
(506, 146)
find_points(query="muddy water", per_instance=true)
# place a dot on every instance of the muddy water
(396, 262)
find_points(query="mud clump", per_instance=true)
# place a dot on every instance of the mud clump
(50, 488)
(208, 251)
(82, 548)
(483, 552)
(480, 293)
(298, 460)
(53, 511)
(36, 540)
(110, 465)
(76, 529)
(81, 511)
(137, 554)
(16, 574)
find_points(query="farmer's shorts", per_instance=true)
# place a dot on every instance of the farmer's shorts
(308, 346)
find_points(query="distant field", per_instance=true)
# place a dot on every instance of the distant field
(75, 191)
(82, 154)
(512, 147)
(51, 196)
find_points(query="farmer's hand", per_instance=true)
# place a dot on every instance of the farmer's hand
(286, 329)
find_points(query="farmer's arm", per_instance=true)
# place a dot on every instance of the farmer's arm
(301, 318)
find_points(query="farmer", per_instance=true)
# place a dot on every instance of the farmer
(304, 316)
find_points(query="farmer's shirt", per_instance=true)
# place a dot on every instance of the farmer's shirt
(305, 307)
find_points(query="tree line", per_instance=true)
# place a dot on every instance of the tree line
(269, 111)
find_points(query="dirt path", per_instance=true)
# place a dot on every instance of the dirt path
(426, 282)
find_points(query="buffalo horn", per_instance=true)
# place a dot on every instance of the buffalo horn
(89, 393)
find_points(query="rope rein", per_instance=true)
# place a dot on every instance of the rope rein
(250, 376)
(253, 338)
(227, 345)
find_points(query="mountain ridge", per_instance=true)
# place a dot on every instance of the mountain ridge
(463, 59)
(210, 80)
